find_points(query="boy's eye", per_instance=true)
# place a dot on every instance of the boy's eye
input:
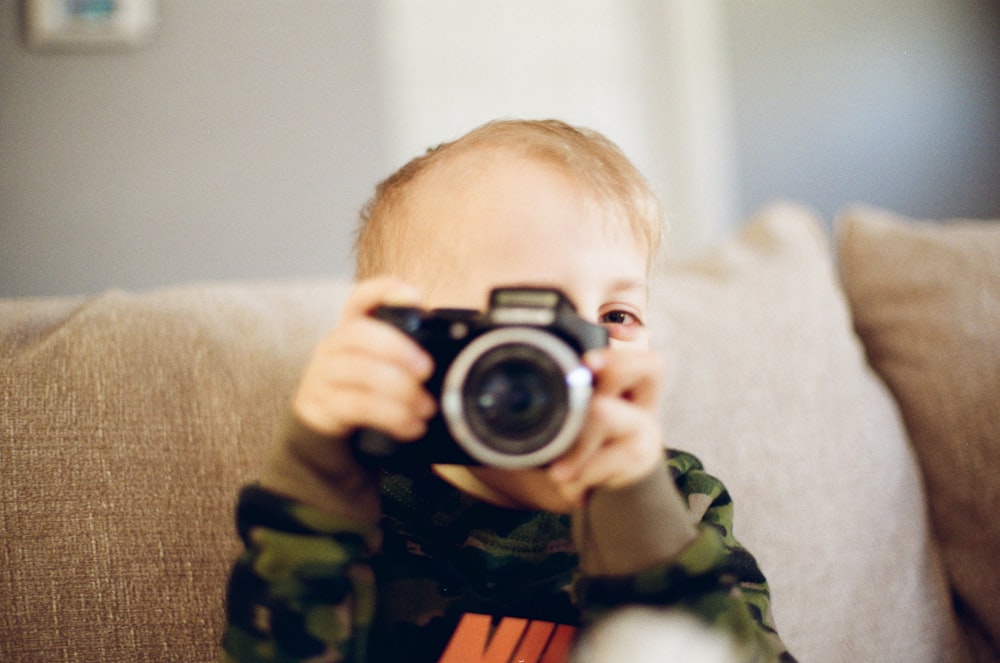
(622, 325)
(619, 318)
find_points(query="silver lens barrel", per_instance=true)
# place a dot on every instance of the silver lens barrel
(516, 397)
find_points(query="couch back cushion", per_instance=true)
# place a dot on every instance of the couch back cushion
(128, 423)
(926, 299)
(769, 386)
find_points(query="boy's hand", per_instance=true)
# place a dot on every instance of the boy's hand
(622, 441)
(365, 373)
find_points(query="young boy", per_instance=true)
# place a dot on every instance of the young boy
(465, 563)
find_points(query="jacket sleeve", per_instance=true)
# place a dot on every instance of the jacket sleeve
(303, 587)
(711, 576)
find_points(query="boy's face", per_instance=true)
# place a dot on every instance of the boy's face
(485, 219)
(481, 220)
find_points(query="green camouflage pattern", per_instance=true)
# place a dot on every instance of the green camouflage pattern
(307, 587)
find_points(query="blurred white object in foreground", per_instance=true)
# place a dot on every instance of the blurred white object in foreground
(648, 635)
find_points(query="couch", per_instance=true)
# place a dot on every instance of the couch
(844, 384)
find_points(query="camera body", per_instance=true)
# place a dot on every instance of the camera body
(511, 387)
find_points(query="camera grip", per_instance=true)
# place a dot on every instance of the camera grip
(373, 445)
(405, 318)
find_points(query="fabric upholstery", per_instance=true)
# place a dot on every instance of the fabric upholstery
(769, 386)
(128, 424)
(926, 299)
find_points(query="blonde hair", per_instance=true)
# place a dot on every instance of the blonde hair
(584, 154)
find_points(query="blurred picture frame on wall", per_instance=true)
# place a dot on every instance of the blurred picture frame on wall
(88, 25)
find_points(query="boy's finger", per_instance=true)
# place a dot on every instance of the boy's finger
(356, 409)
(633, 375)
(363, 409)
(616, 466)
(369, 337)
(595, 431)
(331, 379)
(380, 291)
(379, 377)
(337, 403)
(616, 430)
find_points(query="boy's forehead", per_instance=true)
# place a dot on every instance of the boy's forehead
(465, 187)
(474, 163)
(486, 211)
(469, 180)
(505, 215)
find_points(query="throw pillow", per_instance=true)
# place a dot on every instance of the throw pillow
(769, 386)
(926, 299)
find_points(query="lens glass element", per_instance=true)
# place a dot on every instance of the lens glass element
(514, 398)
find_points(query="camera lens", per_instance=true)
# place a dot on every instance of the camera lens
(510, 398)
(515, 399)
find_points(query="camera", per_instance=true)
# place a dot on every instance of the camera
(511, 386)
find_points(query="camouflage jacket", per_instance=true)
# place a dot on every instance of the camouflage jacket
(459, 579)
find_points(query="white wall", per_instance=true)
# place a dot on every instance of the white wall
(241, 142)
(650, 75)
(895, 103)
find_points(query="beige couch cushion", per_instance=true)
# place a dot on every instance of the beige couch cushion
(127, 424)
(926, 298)
(769, 386)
